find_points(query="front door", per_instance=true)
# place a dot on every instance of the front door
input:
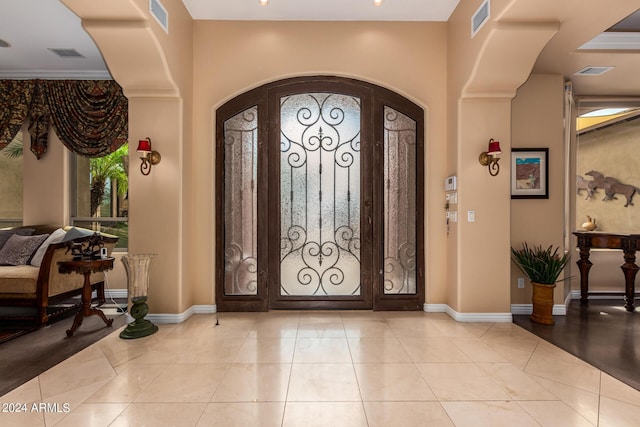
(320, 200)
(318, 231)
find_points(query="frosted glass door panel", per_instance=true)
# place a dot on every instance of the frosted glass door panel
(241, 203)
(399, 203)
(320, 195)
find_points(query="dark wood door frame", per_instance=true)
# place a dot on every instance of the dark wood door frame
(373, 99)
(364, 300)
(382, 301)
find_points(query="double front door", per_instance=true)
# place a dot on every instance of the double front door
(319, 198)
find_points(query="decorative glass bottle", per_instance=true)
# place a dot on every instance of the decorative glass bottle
(137, 267)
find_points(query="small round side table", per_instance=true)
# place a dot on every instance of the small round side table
(86, 267)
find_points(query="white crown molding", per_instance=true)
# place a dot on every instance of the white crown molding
(54, 75)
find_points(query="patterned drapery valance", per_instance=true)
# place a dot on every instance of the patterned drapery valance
(89, 116)
(15, 101)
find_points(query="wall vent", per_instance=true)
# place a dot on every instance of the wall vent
(593, 71)
(480, 17)
(66, 53)
(160, 13)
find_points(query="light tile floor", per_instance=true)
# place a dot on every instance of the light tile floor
(337, 369)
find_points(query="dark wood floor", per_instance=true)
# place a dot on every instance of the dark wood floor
(27, 356)
(603, 334)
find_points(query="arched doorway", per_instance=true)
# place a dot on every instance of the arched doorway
(319, 190)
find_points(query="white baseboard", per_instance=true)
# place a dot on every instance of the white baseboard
(435, 308)
(521, 308)
(558, 310)
(567, 300)
(115, 293)
(594, 295)
(181, 317)
(430, 308)
(468, 317)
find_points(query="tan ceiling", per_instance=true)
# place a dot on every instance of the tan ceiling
(580, 23)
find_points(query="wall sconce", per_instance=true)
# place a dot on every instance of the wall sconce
(490, 157)
(147, 155)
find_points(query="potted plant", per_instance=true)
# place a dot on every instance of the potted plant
(542, 267)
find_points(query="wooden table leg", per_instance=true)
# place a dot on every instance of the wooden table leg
(86, 309)
(584, 265)
(630, 270)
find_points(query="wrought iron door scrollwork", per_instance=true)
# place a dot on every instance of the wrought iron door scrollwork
(243, 271)
(320, 242)
(240, 157)
(399, 273)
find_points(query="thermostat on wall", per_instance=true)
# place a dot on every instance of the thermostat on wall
(450, 183)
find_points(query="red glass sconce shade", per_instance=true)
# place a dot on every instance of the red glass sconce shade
(490, 157)
(147, 155)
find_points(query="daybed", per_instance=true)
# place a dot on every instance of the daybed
(37, 285)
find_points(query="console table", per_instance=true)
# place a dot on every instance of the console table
(86, 267)
(629, 243)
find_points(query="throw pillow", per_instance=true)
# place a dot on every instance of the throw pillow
(75, 233)
(55, 237)
(5, 234)
(19, 249)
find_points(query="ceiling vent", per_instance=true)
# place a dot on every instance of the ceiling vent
(67, 53)
(593, 71)
(160, 13)
(480, 17)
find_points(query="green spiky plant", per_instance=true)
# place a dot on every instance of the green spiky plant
(14, 149)
(110, 167)
(538, 264)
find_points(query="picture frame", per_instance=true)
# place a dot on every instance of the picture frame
(529, 173)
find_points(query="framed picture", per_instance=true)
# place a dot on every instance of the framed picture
(529, 173)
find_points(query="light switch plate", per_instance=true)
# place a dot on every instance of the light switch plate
(471, 216)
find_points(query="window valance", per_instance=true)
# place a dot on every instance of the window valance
(89, 116)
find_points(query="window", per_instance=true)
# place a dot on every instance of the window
(11, 183)
(100, 194)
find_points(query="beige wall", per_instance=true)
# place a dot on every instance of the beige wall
(464, 93)
(537, 113)
(155, 70)
(612, 151)
(46, 196)
(175, 81)
(480, 90)
(10, 187)
(46, 183)
(232, 57)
